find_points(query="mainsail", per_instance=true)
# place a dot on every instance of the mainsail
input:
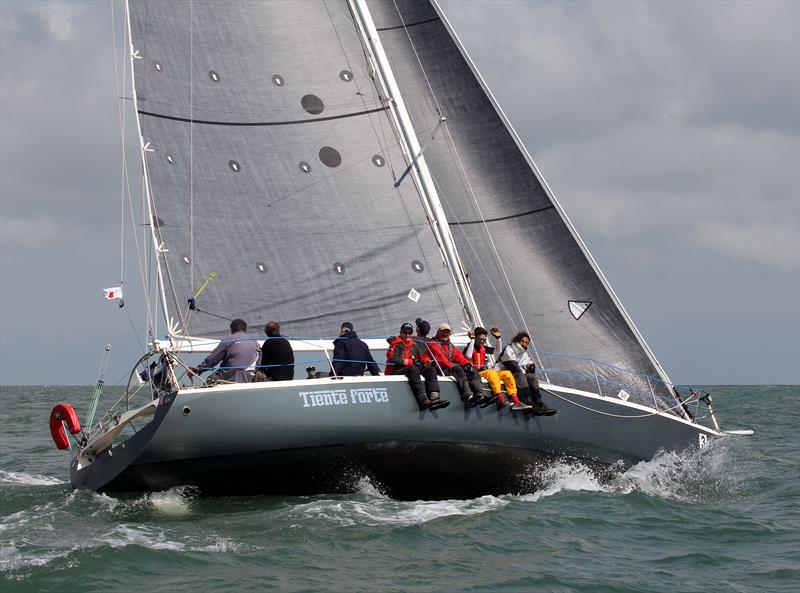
(271, 163)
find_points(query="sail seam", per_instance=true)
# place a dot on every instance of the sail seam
(510, 216)
(407, 25)
(260, 123)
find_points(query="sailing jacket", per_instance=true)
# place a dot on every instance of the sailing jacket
(478, 355)
(404, 353)
(237, 354)
(512, 356)
(446, 355)
(351, 356)
(277, 359)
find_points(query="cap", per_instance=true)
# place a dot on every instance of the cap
(347, 325)
(445, 326)
(406, 327)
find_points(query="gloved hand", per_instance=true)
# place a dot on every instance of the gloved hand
(471, 335)
(496, 332)
(467, 367)
(531, 368)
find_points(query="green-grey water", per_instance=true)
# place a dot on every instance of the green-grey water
(726, 518)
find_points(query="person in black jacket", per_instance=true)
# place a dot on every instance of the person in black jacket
(277, 357)
(351, 355)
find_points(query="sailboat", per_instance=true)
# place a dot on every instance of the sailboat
(343, 160)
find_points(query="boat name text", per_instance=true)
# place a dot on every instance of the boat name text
(341, 397)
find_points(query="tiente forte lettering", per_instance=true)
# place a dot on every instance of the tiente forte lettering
(344, 397)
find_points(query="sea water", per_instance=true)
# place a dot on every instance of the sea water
(726, 518)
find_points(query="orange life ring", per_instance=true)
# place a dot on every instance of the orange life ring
(60, 415)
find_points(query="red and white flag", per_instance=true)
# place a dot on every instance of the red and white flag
(113, 293)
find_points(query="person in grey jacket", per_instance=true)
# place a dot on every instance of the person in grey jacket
(237, 355)
(515, 358)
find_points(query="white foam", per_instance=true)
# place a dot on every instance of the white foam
(127, 535)
(385, 511)
(567, 477)
(170, 502)
(686, 477)
(28, 479)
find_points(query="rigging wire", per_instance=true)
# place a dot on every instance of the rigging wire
(624, 417)
(125, 181)
(461, 171)
(388, 120)
(424, 74)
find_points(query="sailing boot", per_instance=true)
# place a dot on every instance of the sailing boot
(501, 401)
(540, 409)
(518, 406)
(487, 400)
(436, 403)
(422, 401)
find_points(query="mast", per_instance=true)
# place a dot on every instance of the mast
(415, 159)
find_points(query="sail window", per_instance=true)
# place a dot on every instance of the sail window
(235, 167)
(277, 80)
(578, 308)
(338, 268)
(168, 156)
(417, 266)
(312, 104)
(157, 66)
(378, 160)
(261, 267)
(304, 167)
(186, 259)
(214, 75)
(330, 157)
(346, 76)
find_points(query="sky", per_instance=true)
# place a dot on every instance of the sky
(668, 131)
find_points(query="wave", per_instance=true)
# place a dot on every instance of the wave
(370, 507)
(28, 479)
(711, 474)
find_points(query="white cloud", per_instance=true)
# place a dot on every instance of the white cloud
(771, 244)
(57, 17)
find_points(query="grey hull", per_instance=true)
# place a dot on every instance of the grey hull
(324, 435)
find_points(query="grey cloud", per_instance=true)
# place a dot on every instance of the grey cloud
(668, 130)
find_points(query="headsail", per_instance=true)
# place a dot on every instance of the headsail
(524, 259)
(271, 162)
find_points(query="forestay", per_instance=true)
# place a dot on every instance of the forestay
(271, 163)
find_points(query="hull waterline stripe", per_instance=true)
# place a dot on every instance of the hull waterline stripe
(407, 25)
(510, 216)
(260, 123)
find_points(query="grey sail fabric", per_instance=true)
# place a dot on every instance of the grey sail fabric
(524, 264)
(271, 166)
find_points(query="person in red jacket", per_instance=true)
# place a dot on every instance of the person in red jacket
(407, 357)
(453, 363)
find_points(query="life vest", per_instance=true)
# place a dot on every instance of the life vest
(60, 415)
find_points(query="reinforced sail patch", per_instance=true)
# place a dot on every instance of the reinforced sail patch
(578, 308)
